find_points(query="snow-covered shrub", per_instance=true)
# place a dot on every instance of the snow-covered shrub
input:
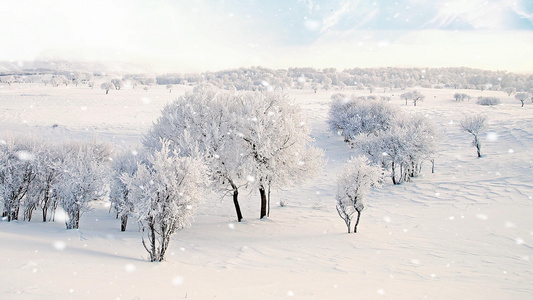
(474, 124)
(17, 171)
(350, 116)
(123, 163)
(353, 185)
(489, 101)
(83, 178)
(166, 190)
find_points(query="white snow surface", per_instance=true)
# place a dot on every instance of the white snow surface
(463, 232)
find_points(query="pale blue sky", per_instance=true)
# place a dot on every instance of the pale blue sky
(211, 35)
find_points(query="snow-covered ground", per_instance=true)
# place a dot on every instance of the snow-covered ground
(464, 232)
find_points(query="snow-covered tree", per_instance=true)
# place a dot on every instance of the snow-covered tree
(166, 190)
(509, 91)
(353, 185)
(276, 143)
(170, 87)
(351, 116)
(522, 97)
(17, 171)
(474, 124)
(123, 163)
(402, 149)
(117, 83)
(107, 86)
(83, 178)
(461, 97)
(202, 124)
(413, 95)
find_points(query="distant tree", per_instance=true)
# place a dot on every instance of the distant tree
(522, 97)
(353, 185)
(117, 83)
(8, 79)
(461, 97)
(170, 87)
(56, 81)
(417, 96)
(107, 86)
(474, 124)
(509, 90)
(166, 190)
(407, 96)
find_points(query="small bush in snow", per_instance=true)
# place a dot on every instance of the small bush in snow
(488, 101)
(352, 187)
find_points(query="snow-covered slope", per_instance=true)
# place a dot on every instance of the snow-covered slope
(464, 232)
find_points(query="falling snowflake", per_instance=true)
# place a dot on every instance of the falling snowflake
(130, 268)
(250, 178)
(177, 281)
(492, 136)
(482, 217)
(24, 155)
(60, 245)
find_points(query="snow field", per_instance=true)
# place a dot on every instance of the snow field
(465, 231)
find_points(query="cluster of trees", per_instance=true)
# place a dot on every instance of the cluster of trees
(259, 78)
(207, 139)
(37, 174)
(256, 139)
(390, 140)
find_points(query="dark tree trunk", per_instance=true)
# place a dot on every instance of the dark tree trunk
(123, 222)
(236, 201)
(262, 192)
(356, 221)
(268, 201)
